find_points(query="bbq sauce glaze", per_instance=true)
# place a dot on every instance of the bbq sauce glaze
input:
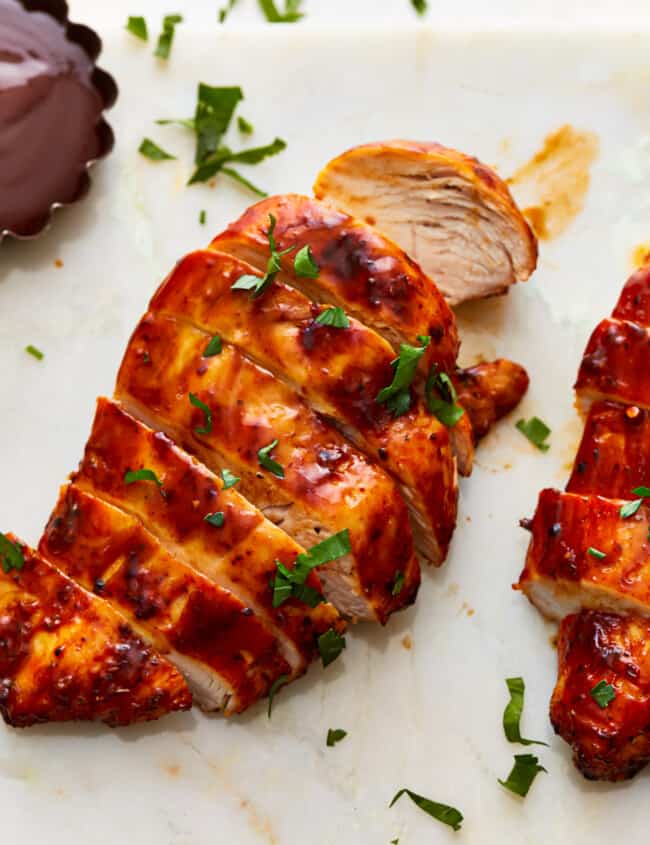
(51, 102)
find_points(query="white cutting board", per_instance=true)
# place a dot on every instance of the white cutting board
(428, 718)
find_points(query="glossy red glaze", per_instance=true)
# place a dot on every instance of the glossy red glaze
(634, 301)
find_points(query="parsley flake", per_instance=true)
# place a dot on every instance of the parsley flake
(211, 164)
(34, 352)
(213, 348)
(330, 645)
(524, 771)
(229, 480)
(258, 284)
(206, 428)
(441, 397)
(217, 519)
(290, 583)
(305, 265)
(279, 682)
(244, 126)
(137, 26)
(535, 431)
(266, 461)
(335, 735)
(226, 10)
(441, 812)
(291, 12)
(420, 6)
(203, 216)
(512, 713)
(152, 151)
(166, 37)
(11, 555)
(397, 396)
(630, 508)
(334, 317)
(234, 174)
(132, 476)
(603, 694)
(398, 584)
(596, 553)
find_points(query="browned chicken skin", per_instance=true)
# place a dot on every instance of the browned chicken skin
(67, 655)
(488, 391)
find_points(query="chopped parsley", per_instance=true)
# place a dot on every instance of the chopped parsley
(603, 694)
(132, 476)
(237, 177)
(441, 397)
(398, 584)
(513, 711)
(334, 317)
(397, 396)
(330, 645)
(305, 265)
(596, 553)
(244, 126)
(206, 428)
(266, 461)
(290, 583)
(630, 508)
(229, 480)
(291, 12)
(258, 284)
(213, 348)
(213, 163)
(11, 555)
(226, 10)
(34, 352)
(166, 37)
(275, 686)
(137, 26)
(203, 216)
(442, 812)
(335, 735)
(152, 151)
(420, 6)
(524, 771)
(535, 431)
(217, 519)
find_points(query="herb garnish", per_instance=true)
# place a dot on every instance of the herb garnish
(217, 519)
(420, 6)
(206, 428)
(203, 216)
(213, 163)
(34, 352)
(305, 265)
(397, 396)
(244, 126)
(229, 480)
(603, 694)
(334, 317)
(213, 348)
(513, 711)
(443, 405)
(335, 735)
(279, 682)
(524, 771)
(137, 26)
(234, 174)
(258, 284)
(132, 476)
(536, 431)
(291, 12)
(11, 554)
(166, 37)
(151, 150)
(291, 582)
(330, 645)
(398, 584)
(223, 13)
(266, 461)
(442, 812)
(596, 553)
(630, 508)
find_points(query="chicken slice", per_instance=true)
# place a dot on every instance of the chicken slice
(240, 555)
(634, 301)
(584, 554)
(339, 372)
(450, 212)
(360, 270)
(597, 649)
(326, 487)
(66, 655)
(226, 655)
(614, 454)
(488, 391)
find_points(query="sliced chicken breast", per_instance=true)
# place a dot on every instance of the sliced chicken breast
(488, 391)
(634, 301)
(585, 554)
(66, 655)
(360, 270)
(597, 650)
(227, 656)
(238, 551)
(450, 212)
(339, 371)
(322, 485)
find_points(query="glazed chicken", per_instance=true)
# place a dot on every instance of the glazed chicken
(67, 655)
(322, 485)
(590, 554)
(451, 213)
